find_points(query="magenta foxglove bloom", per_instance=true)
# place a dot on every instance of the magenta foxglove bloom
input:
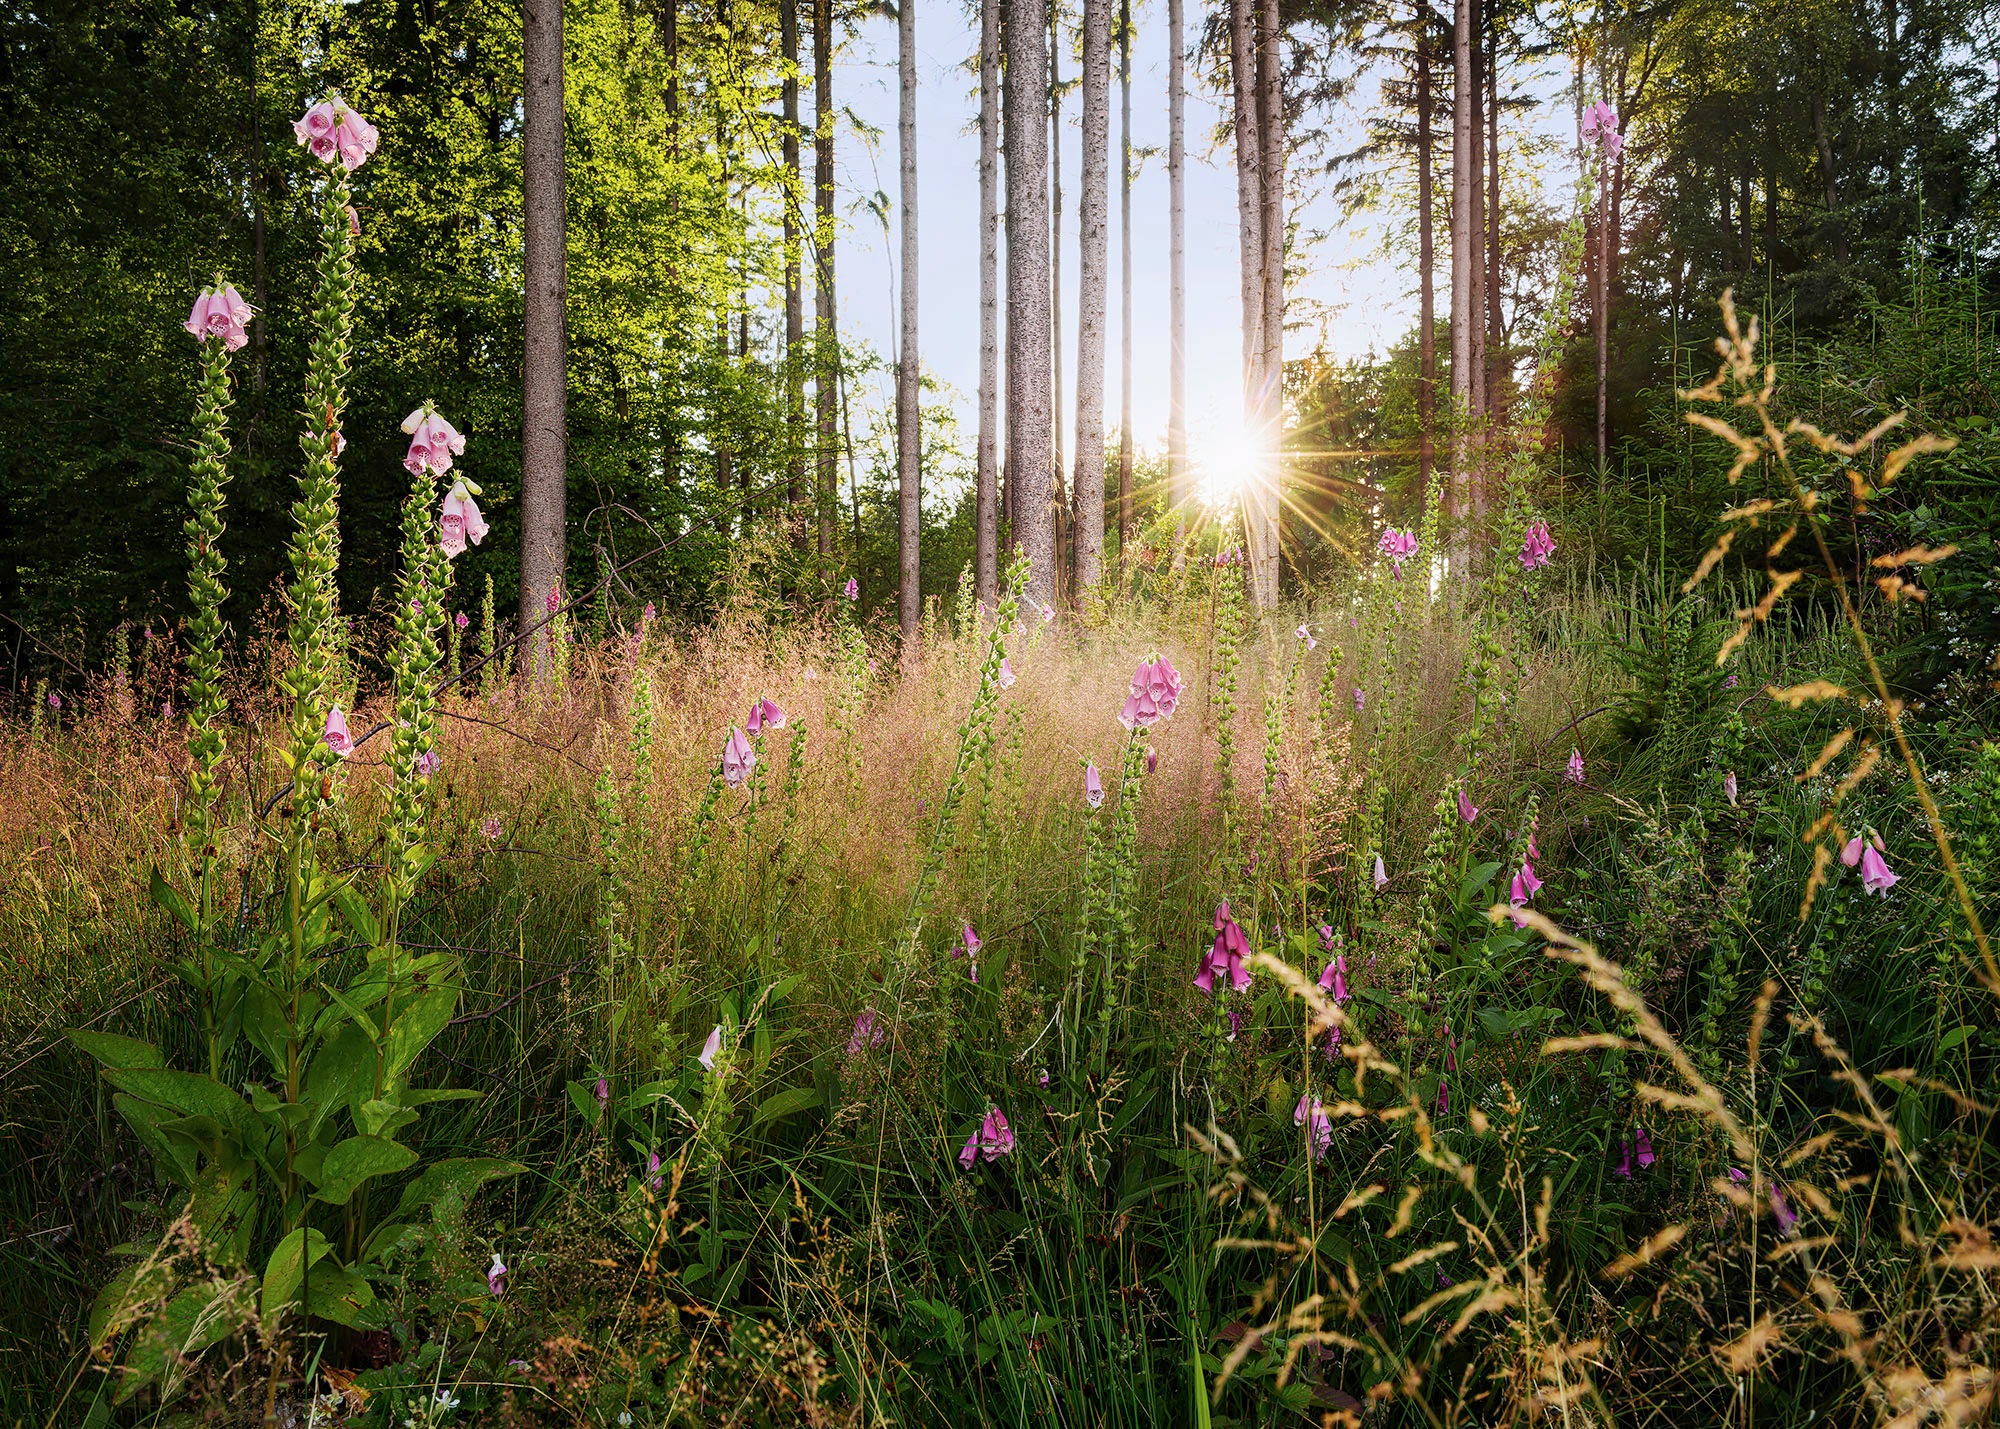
(1443, 1096)
(1600, 127)
(1381, 874)
(1006, 673)
(220, 312)
(496, 1275)
(1156, 690)
(738, 758)
(867, 1033)
(1537, 546)
(1788, 1220)
(1360, 699)
(1333, 1046)
(1235, 1020)
(1525, 885)
(1876, 875)
(1311, 1113)
(968, 949)
(602, 1091)
(1152, 759)
(460, 520)
(1227, 957)
(336, 736)
(1575, 771)
(1467, 810)
(1398, 546)
(1093, 787)
(1333, 977)
(654, 1178)
(427, 763)
(1307, 636)
(433, 442)
(1623, 1170)
(489, 829)
(1048, 612)
(710, 1048)
(1326, 938)
(1533, 852)
(333, 131)
(1729, 787)
(993, 1139)
(1736, 1177)
(353, 221)
(1645, 1145)
(1043, 1078)
(460, 621)
(764, 715)
(852, 590)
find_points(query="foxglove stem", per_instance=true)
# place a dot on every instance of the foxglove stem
(207, 475)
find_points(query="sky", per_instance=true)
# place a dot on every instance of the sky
(1370, 298)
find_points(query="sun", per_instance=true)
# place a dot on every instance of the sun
(1227, 462)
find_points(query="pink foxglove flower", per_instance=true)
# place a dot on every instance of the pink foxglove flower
(1381, 874)
(1311, 1113)
(460, 621)
(764, 715)
(1152, 759)
(1645, 1146)
(1398, 546)
(1093, 787)
(460, 520)
(1537, 546)
(1443, 1097)
(1006, 673)
(1325, 941)
(711, 1048)
(1467, 810)
(333, 131)
(1048, 612)
(1333, 977)
(428, 763)
(738, 758)
(992, 1140)
(1788, 1220)
(353, 222)
(867, 1033)
(1623, 1170)
(1332, 1048)
(496, 1275)
(968, 949)
(1360, 699)
(655, 1179)
(1575, 771)
(1736, 1177)
(489, 829)
(433, 442)
(1600, 127)
(336, 736)
(1235, 1020)
(1307, 636)
(602, 1091)
(1729, 787)
(220, 312)
(1876, 875)
(852, 590)
(1525, 885)
(1228, 957)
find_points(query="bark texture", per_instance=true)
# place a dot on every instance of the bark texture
(544, 376)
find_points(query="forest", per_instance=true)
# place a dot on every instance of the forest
(741, 712)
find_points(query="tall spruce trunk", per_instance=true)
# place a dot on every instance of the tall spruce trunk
(795, 309)
(544, 368)
(909, 447)
(1180, 488)
(986, 523)
(1124, 289)
(826, 338)
(1498, 369)
(1250, 257)
(1426, 255)
(1064, 516)
(1271, 374)
(1030, 430)
(1476, 400)
(1093, 277)
(1462, 480)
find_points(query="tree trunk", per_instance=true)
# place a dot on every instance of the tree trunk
(1271, 138)
(1058, 458)
(1823, 147)
(1462, 481)
(909, 450)
(1250, 258)
(1093, 260)
(1498, 369)
(1124, 289)
(1178, 485)
(1426, 255)
(1476, 399)
(1030, 432)
(826, 338)
(544, 354)
(986, 580)
(795, 308)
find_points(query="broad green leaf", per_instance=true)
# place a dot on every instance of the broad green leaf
(1953, 1038)
(357, 1160)
(383, 1117)
(340, 1295)
(416, 1024)
(285, 1271)
(188, 1093)
(785, 1103)
(174, 1158)
(175, 902)
(458, 1178)
(111, 1050)
(360, 917)
(342, 1072)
